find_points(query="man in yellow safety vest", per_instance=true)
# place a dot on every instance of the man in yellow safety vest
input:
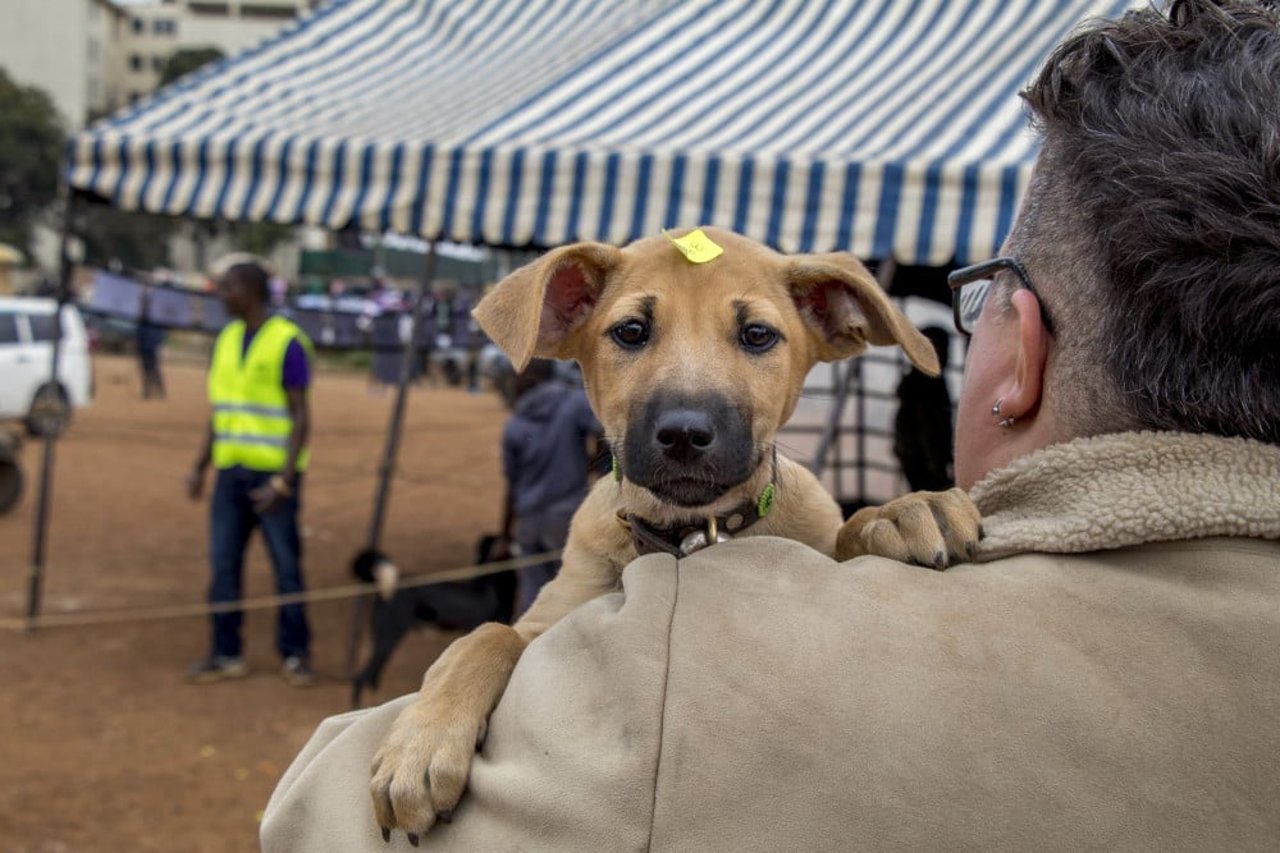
(257, 441)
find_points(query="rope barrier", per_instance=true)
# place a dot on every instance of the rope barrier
(334, 593)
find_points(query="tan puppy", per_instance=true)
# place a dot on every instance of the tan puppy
(691, 368)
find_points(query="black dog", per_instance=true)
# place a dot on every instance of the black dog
(453, 605)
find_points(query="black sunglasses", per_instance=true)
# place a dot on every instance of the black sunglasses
(970, 287)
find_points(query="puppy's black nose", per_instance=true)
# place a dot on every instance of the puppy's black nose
(684, 434)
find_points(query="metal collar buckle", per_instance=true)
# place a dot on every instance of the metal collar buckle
(699, 539)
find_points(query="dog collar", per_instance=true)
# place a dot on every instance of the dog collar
(683, 539)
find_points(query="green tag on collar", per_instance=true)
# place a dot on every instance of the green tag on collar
(766, 501)
(617, 469)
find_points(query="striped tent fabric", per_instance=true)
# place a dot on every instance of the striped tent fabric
(881, 127)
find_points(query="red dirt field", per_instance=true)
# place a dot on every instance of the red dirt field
(103, 747)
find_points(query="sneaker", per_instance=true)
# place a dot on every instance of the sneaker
(217, 668)
(297, 672)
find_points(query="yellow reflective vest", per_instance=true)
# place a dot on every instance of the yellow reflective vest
(251, 422)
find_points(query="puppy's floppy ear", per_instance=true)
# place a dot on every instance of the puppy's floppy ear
(535, 310)
(846, 310)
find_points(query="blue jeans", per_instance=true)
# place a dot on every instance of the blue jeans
(232, 520)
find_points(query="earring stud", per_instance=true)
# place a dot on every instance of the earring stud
(1007, 423)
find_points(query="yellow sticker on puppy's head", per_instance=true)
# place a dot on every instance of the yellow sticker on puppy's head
(696, 246)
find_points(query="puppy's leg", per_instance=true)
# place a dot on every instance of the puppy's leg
(421, 769)
(927, 528)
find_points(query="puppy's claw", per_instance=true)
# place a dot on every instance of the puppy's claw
(446, 816)
(971, 550)
(939, 560)
(386, 834)
(413, 838)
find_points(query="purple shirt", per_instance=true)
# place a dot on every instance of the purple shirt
(297, 370)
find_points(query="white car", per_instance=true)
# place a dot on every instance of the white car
(26, 350)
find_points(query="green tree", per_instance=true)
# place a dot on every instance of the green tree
(31, 140)
(137, 239)
(183, 62)
(259, 238)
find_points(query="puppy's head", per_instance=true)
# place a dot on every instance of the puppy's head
(692, 368)
(373, 566)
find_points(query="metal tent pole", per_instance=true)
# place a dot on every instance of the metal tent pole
(391, 448)
(50, 430)
(395, 427)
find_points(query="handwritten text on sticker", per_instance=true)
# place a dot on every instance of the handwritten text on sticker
(696, 246)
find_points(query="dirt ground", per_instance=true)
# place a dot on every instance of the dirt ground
(103, 747)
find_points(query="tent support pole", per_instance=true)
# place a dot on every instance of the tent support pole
(394, 428)
(35, 577)
(392, 446)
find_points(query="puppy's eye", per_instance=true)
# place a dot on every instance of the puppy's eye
(757, 338)
(630, 334)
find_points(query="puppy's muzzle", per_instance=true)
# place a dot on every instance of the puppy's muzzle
(688, 449)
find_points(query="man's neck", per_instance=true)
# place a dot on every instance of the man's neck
(254, 318)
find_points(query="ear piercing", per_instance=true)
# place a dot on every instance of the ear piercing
(1006, 423)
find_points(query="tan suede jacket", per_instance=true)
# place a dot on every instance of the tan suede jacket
(1107, 678)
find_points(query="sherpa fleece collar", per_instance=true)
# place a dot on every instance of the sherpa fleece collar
(1113, 491)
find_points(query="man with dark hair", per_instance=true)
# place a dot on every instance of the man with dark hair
(1102, 676)
(257, 440)
(1152, 223)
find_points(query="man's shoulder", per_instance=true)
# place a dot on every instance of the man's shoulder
(232, 329)
(297, 349)
(291, 330)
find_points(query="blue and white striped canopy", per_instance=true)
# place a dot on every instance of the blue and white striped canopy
(874, 126)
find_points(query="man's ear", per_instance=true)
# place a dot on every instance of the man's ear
(1020, 393)
(535, 310)
(846, 310)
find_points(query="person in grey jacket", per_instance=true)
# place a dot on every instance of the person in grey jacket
(545, 459)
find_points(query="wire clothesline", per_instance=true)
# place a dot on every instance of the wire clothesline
(130, 615)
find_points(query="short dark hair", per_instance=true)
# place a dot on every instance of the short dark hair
(1162, 155)
(252, 276)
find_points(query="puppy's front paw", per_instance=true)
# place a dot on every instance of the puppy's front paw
(926, 528)
(421, 769)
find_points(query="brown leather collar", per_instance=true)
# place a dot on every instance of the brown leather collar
(682, 539)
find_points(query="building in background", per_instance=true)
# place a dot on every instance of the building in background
(159, 28)
(73, 49)
(96, 56)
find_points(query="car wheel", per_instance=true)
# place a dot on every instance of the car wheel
(10, 484)
(11, 480)
(50, 412)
